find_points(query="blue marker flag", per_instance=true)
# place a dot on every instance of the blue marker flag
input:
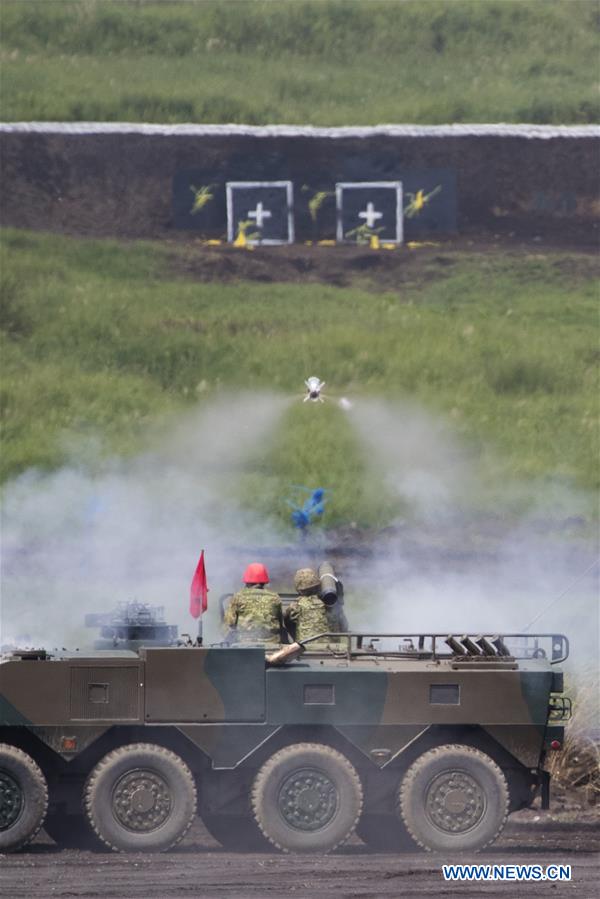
(313, 507)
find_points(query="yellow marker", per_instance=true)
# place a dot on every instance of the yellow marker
(374, 242)
(317, 201)
(213, 243)
(202, 196)
(389, 246)
(326, 243)
(242, 239)
(419, 200)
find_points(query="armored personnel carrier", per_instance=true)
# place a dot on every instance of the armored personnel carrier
(430, 738)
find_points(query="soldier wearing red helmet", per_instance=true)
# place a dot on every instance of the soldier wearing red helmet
(254, 614)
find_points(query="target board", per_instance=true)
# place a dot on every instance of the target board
(261, 211)
(369, 208)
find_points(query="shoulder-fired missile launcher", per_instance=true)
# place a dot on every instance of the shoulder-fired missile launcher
(427, 737)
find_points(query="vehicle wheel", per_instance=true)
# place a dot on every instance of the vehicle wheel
(385, 833)
(307, 798)
(71, 831)
(454, 798)
(236, 833)
(23, 798)
(140, 798)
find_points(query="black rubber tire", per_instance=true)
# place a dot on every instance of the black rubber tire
(330, 782)
(23, 798)
(236, 833)
(71, 831)
(140, 798)
(385, 833)
(454, 798)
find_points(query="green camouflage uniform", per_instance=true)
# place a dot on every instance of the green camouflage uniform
(308, 616)
(254, 616)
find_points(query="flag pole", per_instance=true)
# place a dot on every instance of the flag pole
(200, 628)
(199, 596)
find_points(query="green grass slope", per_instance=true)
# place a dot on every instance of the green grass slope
(100, 341)
(324, 63)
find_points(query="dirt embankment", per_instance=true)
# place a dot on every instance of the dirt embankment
(380, 270)
(139, 185)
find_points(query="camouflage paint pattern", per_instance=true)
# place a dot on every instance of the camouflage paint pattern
(228, 703)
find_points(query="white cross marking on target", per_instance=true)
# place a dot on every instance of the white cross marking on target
(259, 214)
(370, 215)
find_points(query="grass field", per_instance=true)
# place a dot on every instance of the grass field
(325, 63)
(100, 341)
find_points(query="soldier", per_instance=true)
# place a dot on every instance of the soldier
(309, 615)
(254, 614)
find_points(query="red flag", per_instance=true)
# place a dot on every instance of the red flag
(199, 590)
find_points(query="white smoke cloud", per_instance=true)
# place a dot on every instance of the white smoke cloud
(452, 566)
(75, 542)
(420, 457)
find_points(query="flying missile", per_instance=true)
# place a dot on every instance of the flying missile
(314, 387)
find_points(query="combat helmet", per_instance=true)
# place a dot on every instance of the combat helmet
(306, 580)
(256, 573)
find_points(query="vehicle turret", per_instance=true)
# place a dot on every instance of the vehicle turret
(131, 625)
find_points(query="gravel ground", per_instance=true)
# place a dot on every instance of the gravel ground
(200, 868)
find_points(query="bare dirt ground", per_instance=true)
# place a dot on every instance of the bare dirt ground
(199, 867)
(377, 270)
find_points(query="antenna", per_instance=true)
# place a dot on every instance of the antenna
(564, 593)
